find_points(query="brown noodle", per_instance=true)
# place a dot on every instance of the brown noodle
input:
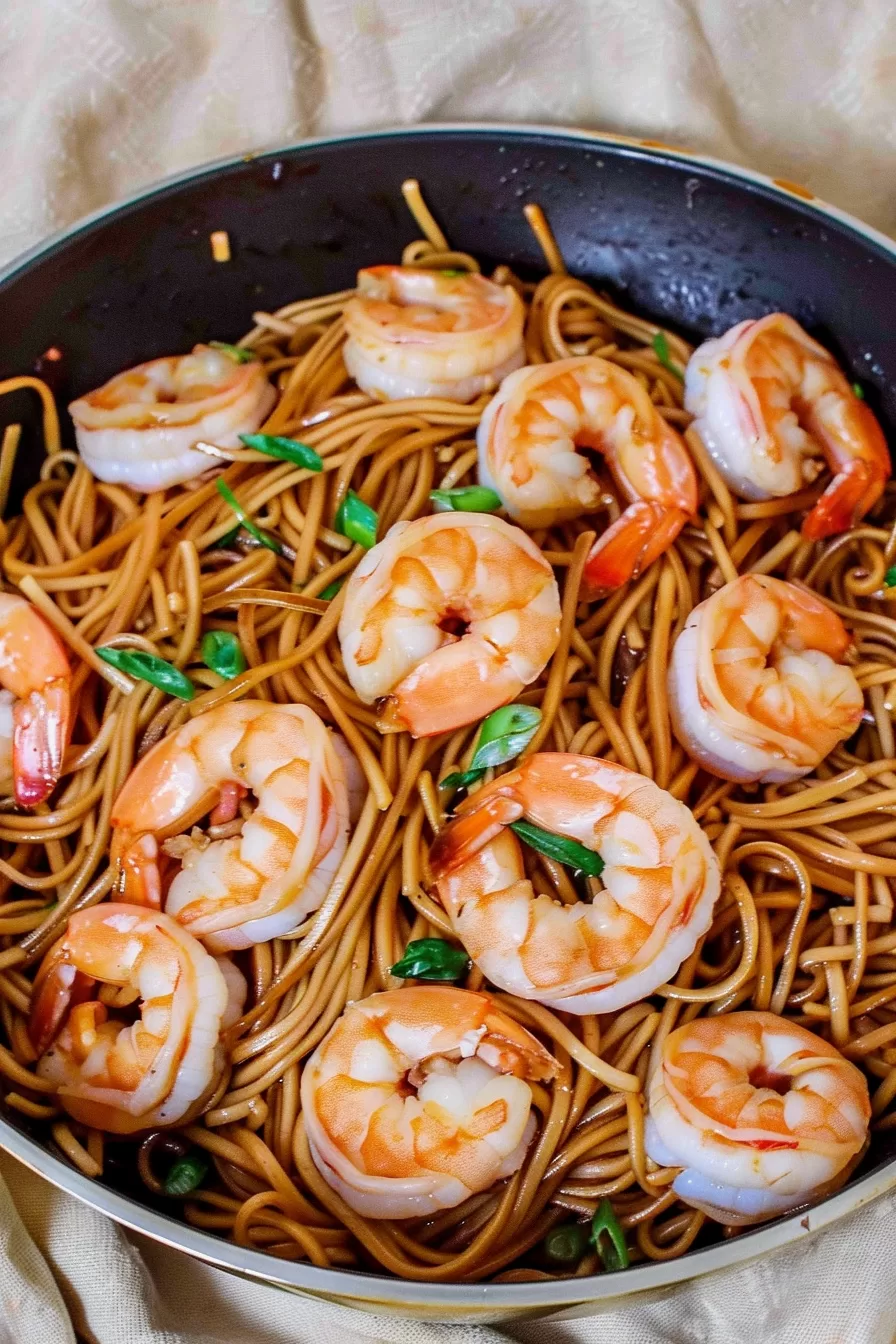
(804, 926)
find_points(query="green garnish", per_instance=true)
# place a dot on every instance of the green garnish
(250, 526)
(357, 520)
(223, 653)
(288, 450)
(237, 352)
(186, 1174)
(565, 1244)
(608, 1238)
(453, 274)
(331, 590)
(432, 959)
(559, 848)
(504, 734)
(660, 345)
(468, 499)
(147, 667)
(460, 779)
(890, 577)
(229, 537)
(859, 391)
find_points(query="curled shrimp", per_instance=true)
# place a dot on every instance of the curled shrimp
(533, 441)
(120, 1075)
(419, 333)
(654, 898)
(418, 1098)
(141, 428)
(448, 617)
(758, 686)
(257, 885)
(772, 406)
(761, 1114)
(35, 705)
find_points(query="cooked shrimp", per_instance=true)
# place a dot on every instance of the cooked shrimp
(773, 407)
(126, 1076)
(418, 333)
(758, 686)
(658, 886)
(762, 1115)
(35, 709)
(533, 439)
(449, 617)
(141, 428)
(262, 883)
(418, 1098)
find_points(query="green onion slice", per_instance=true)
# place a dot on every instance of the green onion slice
(467, 499)
(890, 577)
(559, 848)
(504, 734)
(660, 345)
(237, 352)
(453, 274)
(331, 590)
(248, 523)
(186, 1174)
(608, 1238)
(288, 450)
(223, 653)
(357, 520)
(859, 391)
(147, 667)
(461, 778)
(565, 1244)
(432, 959)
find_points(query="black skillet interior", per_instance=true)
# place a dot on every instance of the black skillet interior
(695, 247)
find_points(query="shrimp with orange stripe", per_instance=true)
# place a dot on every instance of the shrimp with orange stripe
(658, 882)
(534, 439)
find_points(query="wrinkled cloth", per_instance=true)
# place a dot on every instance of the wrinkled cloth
(99, 97)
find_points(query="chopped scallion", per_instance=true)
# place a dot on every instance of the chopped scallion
(560, 848)
(331, 590)
(660, 345)
(432, 959)
(357, 520)
(288, 450)
(237, 352)
(187, 1174)
(148, 667)
(223, 653)
(608, 1238)
(504, 734)
(467, 499)
(264, 538)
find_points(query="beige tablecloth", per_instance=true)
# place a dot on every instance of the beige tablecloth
(100, 96)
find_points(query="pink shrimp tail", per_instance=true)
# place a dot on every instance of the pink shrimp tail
(853, 491)
(465, 836)
(57, 989)
(40, 736)
(640, 536)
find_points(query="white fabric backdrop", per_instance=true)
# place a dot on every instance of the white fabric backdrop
(100, 96)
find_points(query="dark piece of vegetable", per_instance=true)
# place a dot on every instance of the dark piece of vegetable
(264, 538)
(331, 590)
(237, 352)
(147, 667)
(468, 499)
(432, 959)
(357, 520)
(859, 391)
(660, 345)
(288, 450)
(504, 734)
(608, 1238)
(560, 848)
(223, 653)
(890, 577)
(565, 1244)
(187, 1174)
